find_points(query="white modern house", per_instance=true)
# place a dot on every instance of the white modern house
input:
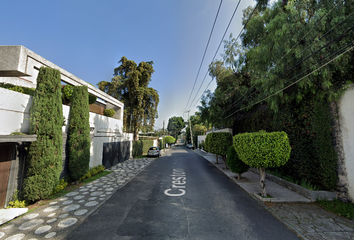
(20, 66)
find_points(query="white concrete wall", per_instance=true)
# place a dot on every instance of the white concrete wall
(14, 117)
(14, 112)
(346, 114)
(201, 138)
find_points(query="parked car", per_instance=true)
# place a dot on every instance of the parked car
(190, 146)
(154, 152)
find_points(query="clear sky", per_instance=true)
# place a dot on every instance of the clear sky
(87, 38)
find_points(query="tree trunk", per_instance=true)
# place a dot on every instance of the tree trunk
(239, 176)
(225, 162)
(262, 173)
(217, 162)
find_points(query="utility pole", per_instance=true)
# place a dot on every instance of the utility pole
(163, 138)
(190, 127)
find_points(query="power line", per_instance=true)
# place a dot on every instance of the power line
(295, 81)
(297, 64)
(289, 52)
(221, 43)
(195, 81)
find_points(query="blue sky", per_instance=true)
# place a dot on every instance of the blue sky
(88, 38)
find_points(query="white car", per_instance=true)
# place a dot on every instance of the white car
(154, 152)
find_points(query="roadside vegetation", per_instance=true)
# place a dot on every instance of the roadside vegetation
(344, 209)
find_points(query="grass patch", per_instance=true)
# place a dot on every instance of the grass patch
(268, 196)
(142, 156)
(338, 207)
(303, 183)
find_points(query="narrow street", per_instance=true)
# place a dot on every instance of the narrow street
(181, 196)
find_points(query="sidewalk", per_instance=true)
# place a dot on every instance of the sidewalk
(307, 219)
(56, 219)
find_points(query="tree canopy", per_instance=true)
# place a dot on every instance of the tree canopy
(175, 125)
(130, 85)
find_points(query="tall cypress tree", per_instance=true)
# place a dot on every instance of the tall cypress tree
(46, 121)
(79, 134)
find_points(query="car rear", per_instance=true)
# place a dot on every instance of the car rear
(154, 152)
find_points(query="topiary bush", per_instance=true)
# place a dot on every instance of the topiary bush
(44, 160)
(79, 134)
(218, 143)
(235, 164)
(109, 112)
(67, 92)
(262, 150)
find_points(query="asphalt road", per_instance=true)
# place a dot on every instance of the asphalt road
(197, 202)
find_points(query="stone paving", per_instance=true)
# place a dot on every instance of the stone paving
(59, 217)
(312, 222)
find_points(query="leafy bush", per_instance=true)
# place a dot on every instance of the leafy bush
(93, 171)
(79, 134)
(46, 119)
(262, 149)
(109, 112)
(218, 143)
(235, 164)
(202, 145)
(61, 185)
(308, 126)
(141, 147)
(92, 99)
(15, 201)
(67, 92)
(20, 89)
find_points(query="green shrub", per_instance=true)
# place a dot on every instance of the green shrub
(20, 89)
(141, 147)
(67, 93)
(61, 185)
(44, 161)
(79, 134)
(16, 202)
(262, 149)
(218, 143)
(235, 164)
(92, 172)
(109, 112)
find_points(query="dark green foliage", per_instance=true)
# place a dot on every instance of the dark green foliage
(175, 125)
(92, 99)
(345, 209)
(109, 112)
(25, 90)
(67, 92)
(46, 120)
(235, 164)
(218, 143)
(141, 147)
(262, 149)
(308, 126)
(79, 134)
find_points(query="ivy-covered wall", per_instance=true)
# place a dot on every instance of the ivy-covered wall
(308, 126)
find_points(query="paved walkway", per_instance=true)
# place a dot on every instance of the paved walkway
(308, 220)
(56, 219)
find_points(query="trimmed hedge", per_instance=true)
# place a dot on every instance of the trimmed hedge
(218, 142)
(44, 160)
(141, 147)
(235, 164)
(262, 149)
(79, 134)
(67, 92)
